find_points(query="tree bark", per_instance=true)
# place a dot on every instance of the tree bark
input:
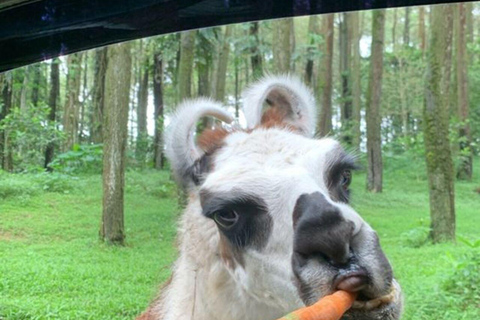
(37, 72)
(436, 121)
(52, 103)
(465, 169)
(356, 79)
(221, 72)
(204, 65)
(159, 158)
(185, 66)
(6, 157)
(346, 100)
(98, 95)
(117, 89)
(71, 109)
(142, 103)
(255, 53)
(406, 29)
(283, 44)
(312, 31)
(421, 28)
(325, 77)
(394, 30)
(374, 139)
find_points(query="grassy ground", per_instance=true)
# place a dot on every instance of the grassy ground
(53, 267)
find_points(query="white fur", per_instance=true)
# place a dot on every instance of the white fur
(275, 165)
(181, 148)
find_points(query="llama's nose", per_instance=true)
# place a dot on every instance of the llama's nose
(321, 232)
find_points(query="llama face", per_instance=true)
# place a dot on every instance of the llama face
(279, 199)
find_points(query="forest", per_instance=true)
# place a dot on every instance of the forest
(82, 155)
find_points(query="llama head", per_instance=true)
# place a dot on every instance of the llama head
(279, 200)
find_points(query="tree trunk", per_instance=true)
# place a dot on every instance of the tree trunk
(159, 158)
(52, 103)
(98, 95)
(256, 55)
(37, 72)
(221, 72)
(185, 66)
(71, 109)
(204, 65)
(406, 29)
(312, 31)
(24, 89)
(469, 21)
(117, 89)
(356, 79)
(283, 44)
(346, 100)
(325, 77)
(374, 93)
(436, 121)
(142, 103)
(6, 158)
(421, 28)
(394, 30)
(465, 169)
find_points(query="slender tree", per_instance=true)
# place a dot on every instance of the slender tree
(406, 28)
(5, 148)
(421, 28)
(324, 81)
(71, 108)
(221, 70)
(158, 158)
(374, 93)
(356, 78)
(52, 103)
(115, 132)
(436, 120)
(465, 168)
(142, 104)
(98, 93)
(344, 56)
(283, 45)
(185, 66)
(255, 53)
(312, 32)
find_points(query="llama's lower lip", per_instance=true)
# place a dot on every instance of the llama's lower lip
(377, 302)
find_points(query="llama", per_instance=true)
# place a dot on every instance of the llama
(268, 228)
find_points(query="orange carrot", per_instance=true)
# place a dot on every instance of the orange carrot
(331, 307)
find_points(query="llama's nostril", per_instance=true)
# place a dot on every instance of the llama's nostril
(352, 283)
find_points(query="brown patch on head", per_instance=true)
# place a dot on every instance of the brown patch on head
(275, 117)
(212, 139)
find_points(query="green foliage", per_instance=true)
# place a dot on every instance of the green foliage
(464, 282)
(81, 159)
(29, 132)
(416, 237)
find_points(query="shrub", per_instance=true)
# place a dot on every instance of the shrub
(81, 159)
(464, 282)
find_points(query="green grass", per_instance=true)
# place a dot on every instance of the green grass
(52, 265)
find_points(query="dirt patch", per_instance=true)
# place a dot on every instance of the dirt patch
(477, 190)
(11, 236)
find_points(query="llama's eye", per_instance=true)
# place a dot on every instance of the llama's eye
(346, 179)
(226, 218)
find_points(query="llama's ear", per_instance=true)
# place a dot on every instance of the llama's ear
(182, 151)
(291, 100)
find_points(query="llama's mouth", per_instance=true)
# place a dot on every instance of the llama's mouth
(377, 302)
